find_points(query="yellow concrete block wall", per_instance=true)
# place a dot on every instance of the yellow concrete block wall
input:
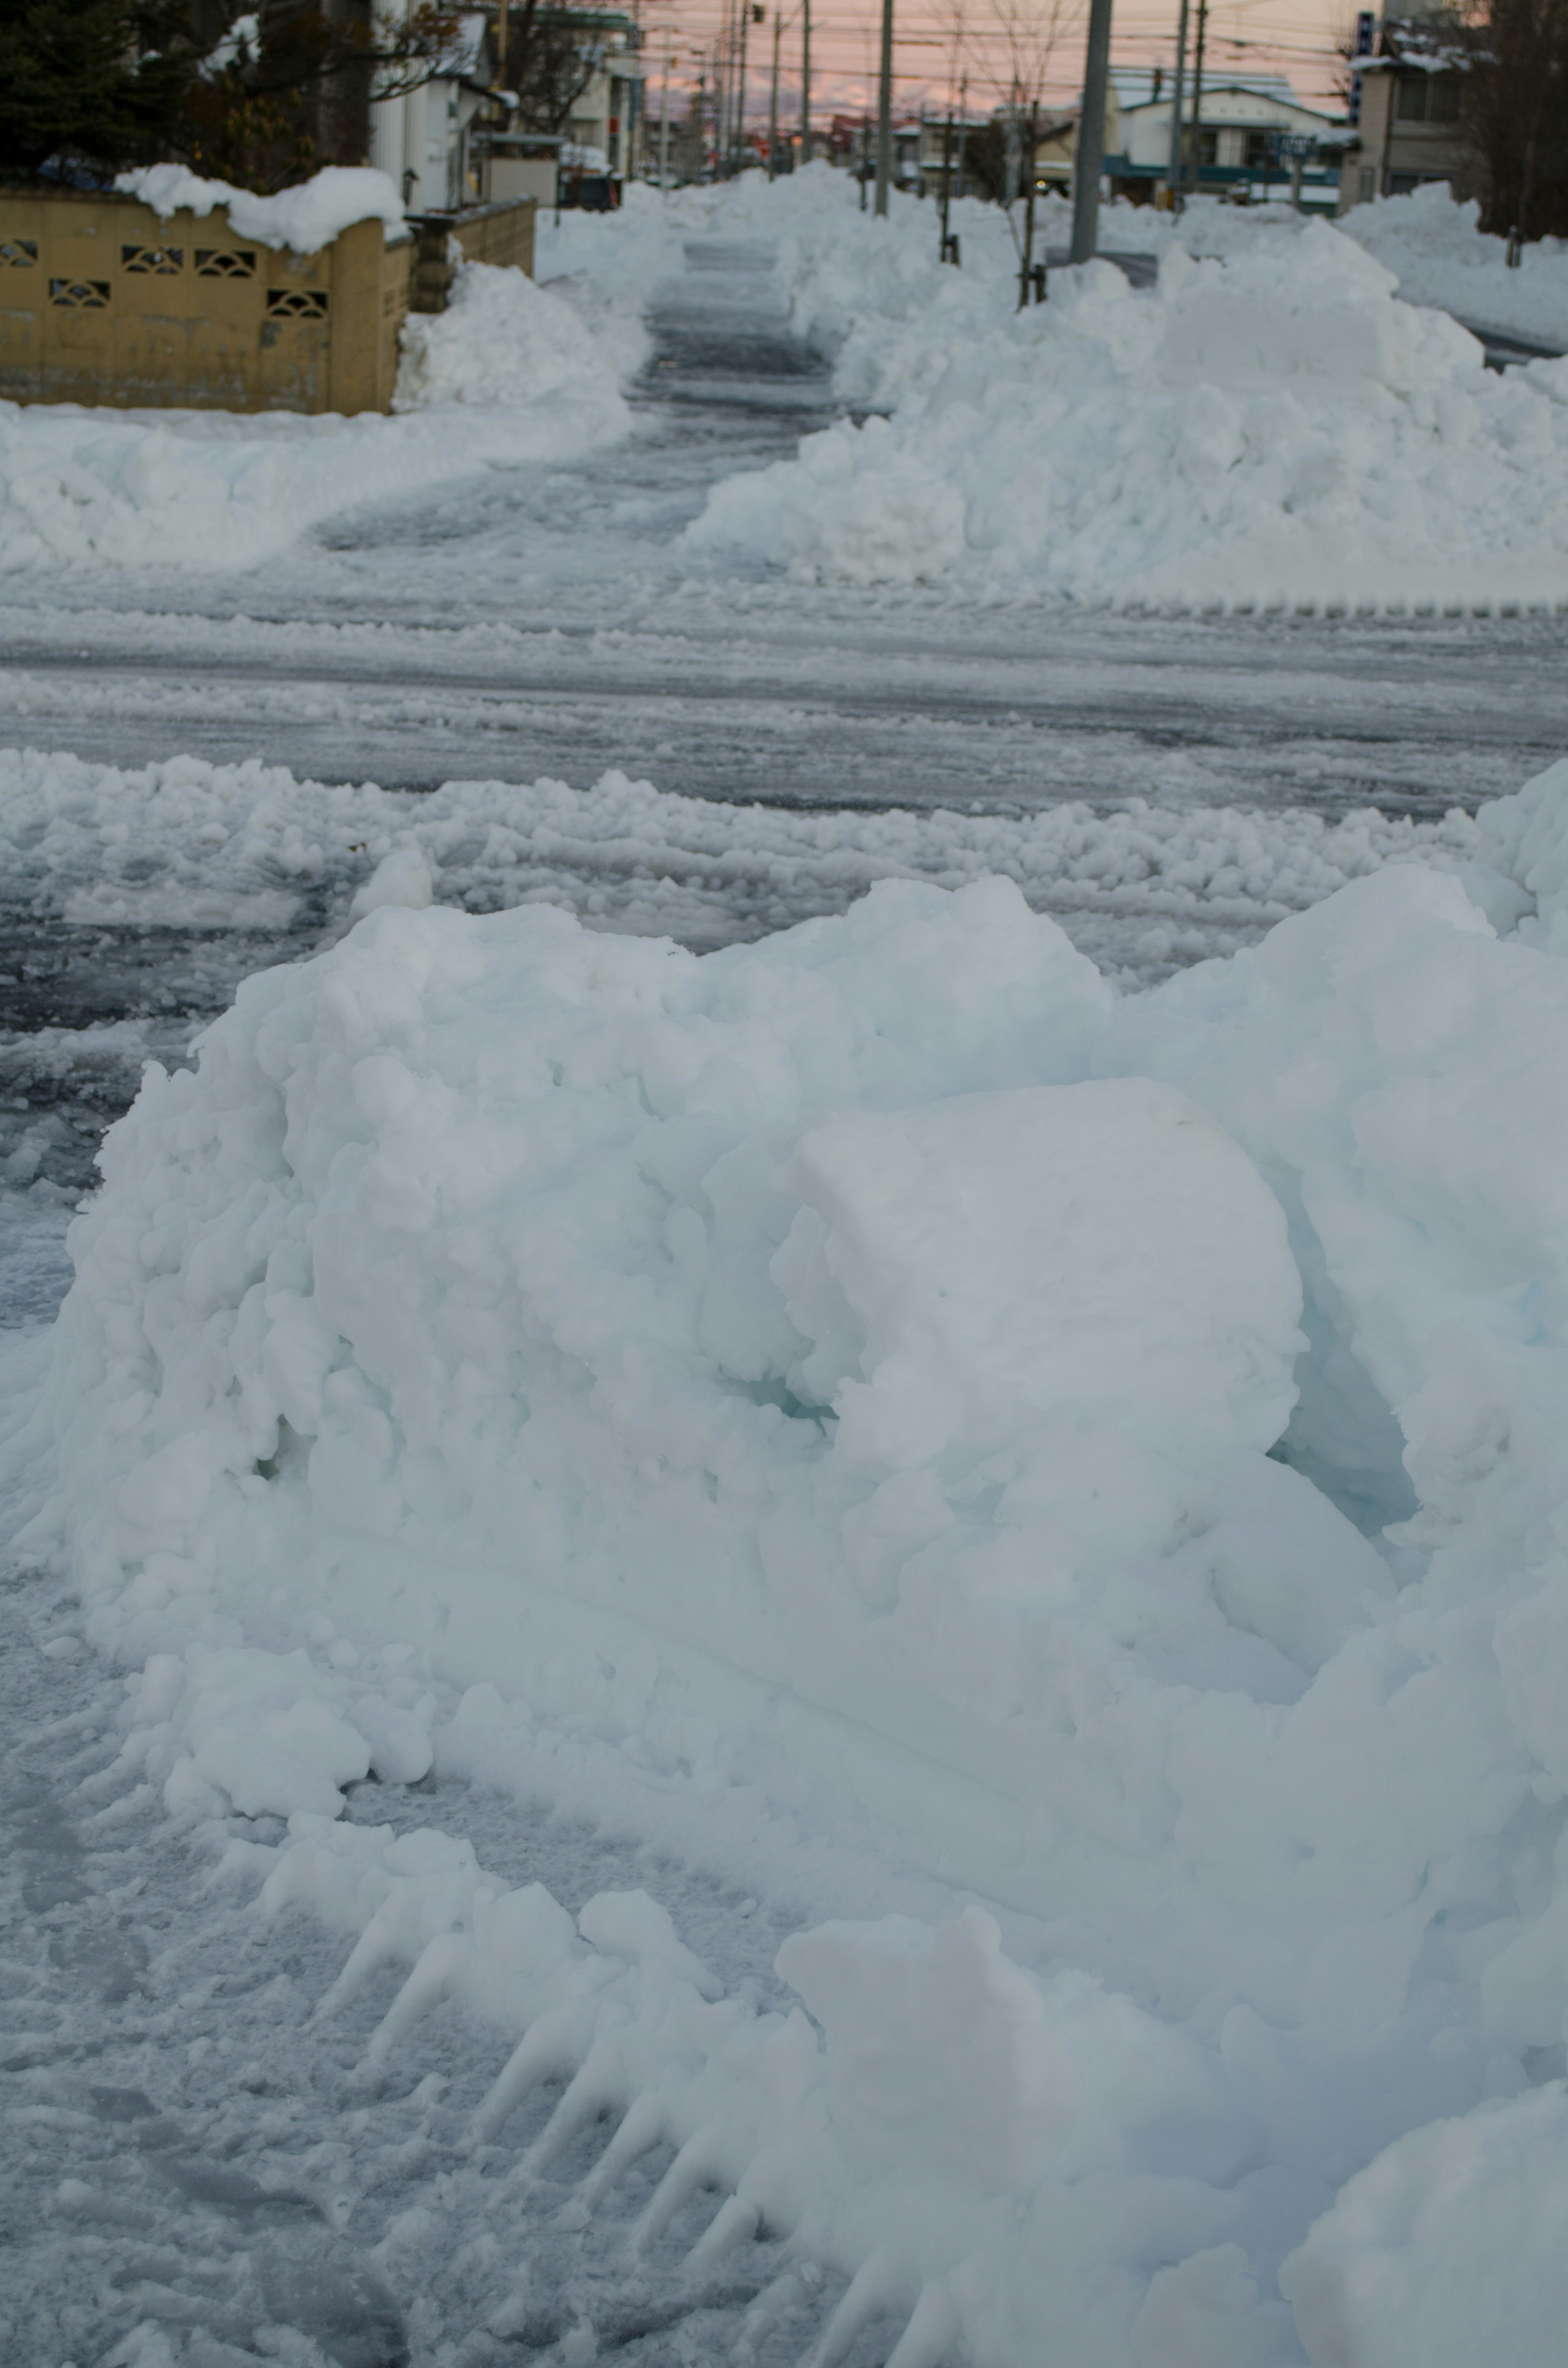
(101, 302)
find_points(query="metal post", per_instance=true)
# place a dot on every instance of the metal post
(664, 120)
(740, 112)
(947, 178)
(884, 112)
(1174, 176)
(773, 98)
(1091, 134)
(806, 81)
(1198, 100)
(1026, 274)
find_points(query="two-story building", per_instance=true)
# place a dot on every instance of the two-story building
(1252, 135)
(1409, 128)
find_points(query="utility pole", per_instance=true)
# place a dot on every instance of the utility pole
(1175, 175)
(806, 81)
(664, 120)
(1198, 100)
(945, 253)
(1026, 269)
(964, 126)
(1091, 133)
(501, 15)
(773, 98)
(884, 113)
(746, 13)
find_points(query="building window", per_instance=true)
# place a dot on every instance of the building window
(1428, 98)
(1260, 151)
(1208, 147)
(1364, 181)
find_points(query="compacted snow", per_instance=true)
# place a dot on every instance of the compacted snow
(893, 1419)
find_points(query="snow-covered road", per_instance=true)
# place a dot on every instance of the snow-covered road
(533, 620)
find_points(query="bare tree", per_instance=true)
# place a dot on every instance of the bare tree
(1514, 105)
(553, 54)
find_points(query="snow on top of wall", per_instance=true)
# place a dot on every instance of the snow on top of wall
(304, 220)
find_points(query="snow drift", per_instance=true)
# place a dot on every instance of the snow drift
(1272, 430)
(509, 373)
(877, 1385)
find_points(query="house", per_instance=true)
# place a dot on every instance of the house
(464, 139)
(1408, 130)
(605, 121)
(427, 140)
(1251, 135)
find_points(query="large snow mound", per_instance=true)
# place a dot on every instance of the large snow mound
(1272, 430)
(304, 219)
(1102, 1454)
(510, 373)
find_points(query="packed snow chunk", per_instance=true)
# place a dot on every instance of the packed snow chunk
(947, 2059)
(1451, 2248)
(261, 1731)
(403, 877)
(1101, 1246)
(1249, 322)
(303, 220)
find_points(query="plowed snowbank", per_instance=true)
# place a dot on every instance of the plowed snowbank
(877, 1387)
(1272, 430)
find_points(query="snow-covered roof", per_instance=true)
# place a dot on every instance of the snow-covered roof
(1271, 90)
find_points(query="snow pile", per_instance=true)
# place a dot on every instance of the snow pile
(1274, 430)
(503, 339)
(880, 1381)
(1139, 888)
(304, 220)
(1442, 256)
(222, 489)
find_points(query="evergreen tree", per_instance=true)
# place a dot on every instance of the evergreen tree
(92, 86)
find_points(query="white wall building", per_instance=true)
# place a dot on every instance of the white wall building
(423, 139)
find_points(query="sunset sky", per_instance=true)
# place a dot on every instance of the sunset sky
(1293, 37)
